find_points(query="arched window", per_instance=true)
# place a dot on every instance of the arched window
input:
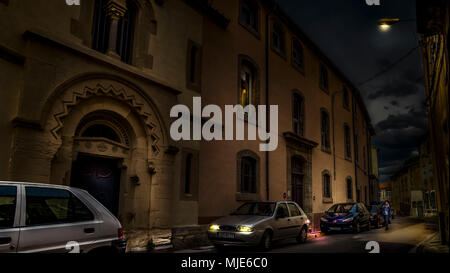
(248, 176)
(298, 113)
(325, 130)
(248, 83)
(326, 182)
(349, 188)
(347, 141)
(194, 66)
(105, 28)
(101, 131)
(298, 58)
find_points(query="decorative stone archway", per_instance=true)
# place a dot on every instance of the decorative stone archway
(143, 155)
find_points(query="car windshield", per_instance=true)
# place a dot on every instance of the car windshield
(341, 208)
(260, 209)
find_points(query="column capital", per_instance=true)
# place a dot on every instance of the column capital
(116, 9)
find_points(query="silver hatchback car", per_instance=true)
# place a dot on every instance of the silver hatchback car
(55, 219)
(260, 223)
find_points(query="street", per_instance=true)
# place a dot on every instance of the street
(403, 235)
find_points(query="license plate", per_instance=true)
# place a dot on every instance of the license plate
(226, 235)
(335, 228)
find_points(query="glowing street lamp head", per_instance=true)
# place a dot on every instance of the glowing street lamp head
(386, 23)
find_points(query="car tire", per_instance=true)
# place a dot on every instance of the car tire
(219, 247)
(301, 238)
(356, 228)
(266, 241)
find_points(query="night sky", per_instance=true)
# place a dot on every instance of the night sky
(347, 32)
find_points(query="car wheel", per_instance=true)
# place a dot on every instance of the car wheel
(356, 228)
(266, 241)
(301, 238)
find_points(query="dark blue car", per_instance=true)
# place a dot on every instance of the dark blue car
(345, 217)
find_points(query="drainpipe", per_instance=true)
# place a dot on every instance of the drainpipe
(354, 146)
(333, 96)
(267, 100)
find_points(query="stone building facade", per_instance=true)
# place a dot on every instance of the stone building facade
(89, 91)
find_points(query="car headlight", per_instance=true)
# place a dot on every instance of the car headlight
(245, 229)
(214, 227)
(347, 220)
(323, 219)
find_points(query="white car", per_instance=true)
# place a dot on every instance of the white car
(55, 219)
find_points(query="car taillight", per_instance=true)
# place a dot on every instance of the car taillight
(120, 233)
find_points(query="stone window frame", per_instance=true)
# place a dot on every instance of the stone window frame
(281, 51)
(327, 147)
(327, 199)
(195, 85)
(256, 31)
(349, 188)
(240, 196)
(348, 142)
(244, 60)
(193, 195)
(298, 93)
(324, 78)
(300, 68)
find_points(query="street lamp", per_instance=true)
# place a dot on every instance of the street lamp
(386, 23)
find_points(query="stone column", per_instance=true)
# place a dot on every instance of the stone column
(116, 10)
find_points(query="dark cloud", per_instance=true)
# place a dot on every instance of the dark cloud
(413, 119)
(394, 103)
(399, 90)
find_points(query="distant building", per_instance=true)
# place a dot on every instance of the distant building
(374, 177)
(405, 184)
(428, 186)
(385, 191)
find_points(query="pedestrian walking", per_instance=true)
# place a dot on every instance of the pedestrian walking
(387, 213)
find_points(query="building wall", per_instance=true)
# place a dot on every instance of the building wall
(221, 51)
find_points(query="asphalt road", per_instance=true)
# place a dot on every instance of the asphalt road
(404, 234)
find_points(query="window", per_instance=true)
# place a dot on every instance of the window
(103, 131)
(325, 131)
(45, 206)
(347, 142)
(248, 87)
(188, 174)
(298, 60)
(249, 16)
(298, 114)
(125, 30)
(323, 78)
(278, 39)
(8, 195)
(294, 210)
(193, 79)
(248, 171)
(346, 99)
(248, 175)
(125, 33)
(326, 178)
(282, 210)
(349, 188)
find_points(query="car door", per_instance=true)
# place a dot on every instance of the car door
(364, 216)
(282, 221)
(9, 217)
(55, 221)
(297, 221)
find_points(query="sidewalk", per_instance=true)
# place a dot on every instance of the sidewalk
(432, 245)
